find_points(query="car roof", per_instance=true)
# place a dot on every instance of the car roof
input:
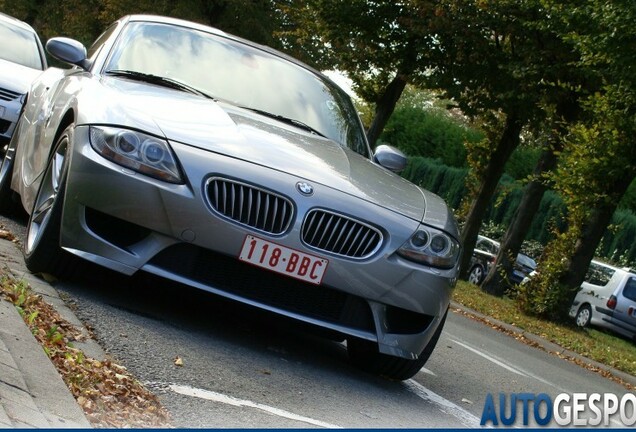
(481, 237)
(609, 266)
(617, 270)
(16, 22)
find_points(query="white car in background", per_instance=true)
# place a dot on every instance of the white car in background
(607, 299)
(484, 257)
(21, 61)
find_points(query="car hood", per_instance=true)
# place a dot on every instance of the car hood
(16, 77)
(239, 133)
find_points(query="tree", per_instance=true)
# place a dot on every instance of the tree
(72, 18)
(497, 281)
(379, 45)
(599, 160)
(497, 60)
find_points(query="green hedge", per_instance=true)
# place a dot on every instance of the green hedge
(551, 212)
(429, 133)
(432, 174)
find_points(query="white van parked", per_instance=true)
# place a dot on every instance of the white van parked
(607, 299)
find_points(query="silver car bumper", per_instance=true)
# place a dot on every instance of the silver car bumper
(129, 222)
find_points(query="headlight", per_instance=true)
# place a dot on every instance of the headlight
(139, 152)
(431, 246)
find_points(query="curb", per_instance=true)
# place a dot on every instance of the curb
(32, 392)
(549, 346)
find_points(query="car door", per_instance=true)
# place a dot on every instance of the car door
(485, 253)
(625, 312)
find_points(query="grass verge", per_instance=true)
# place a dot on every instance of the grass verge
(597, 345)
(109, 395)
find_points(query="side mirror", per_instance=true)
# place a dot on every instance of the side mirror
(390, 158)
(68, 51)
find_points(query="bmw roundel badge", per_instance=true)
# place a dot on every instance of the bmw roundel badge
(305, 188)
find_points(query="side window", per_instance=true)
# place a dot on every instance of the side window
(488, 247)
(630, 289)
(494, 249)
(599, 275)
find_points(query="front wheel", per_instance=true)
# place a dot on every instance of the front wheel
(364, 355)
(583, 316)
(476, 275)
(42, 252)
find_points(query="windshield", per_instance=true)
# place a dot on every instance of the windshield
(526, 261)
(240, 74)
(20, 46)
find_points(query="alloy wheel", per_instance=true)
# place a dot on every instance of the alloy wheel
(583, 317)
(475, 275)
(47, 195)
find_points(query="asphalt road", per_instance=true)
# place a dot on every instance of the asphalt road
(244, 368)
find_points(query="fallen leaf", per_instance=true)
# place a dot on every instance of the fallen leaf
(4, 234)
(178, 361)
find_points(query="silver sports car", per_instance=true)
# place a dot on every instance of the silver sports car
(179, 150)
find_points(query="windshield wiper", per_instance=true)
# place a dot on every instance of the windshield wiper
(159, 80)
(287, 120)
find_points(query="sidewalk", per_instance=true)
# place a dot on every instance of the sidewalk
(32, 393)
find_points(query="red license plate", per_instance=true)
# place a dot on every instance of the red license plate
(284, 260)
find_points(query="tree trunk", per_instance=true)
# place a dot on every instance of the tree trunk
(507, 143)
(586, 245)
(497, 281)
(385, 107)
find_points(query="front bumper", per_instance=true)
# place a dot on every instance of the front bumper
(10, 108)
(128, 222)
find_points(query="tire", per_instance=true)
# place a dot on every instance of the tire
(364, 355)
(584, 316)
(476, 275)
(8, 204)
(42, 252)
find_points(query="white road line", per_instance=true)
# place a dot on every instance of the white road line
(514, 369)
(427, 371)
(229, 400)
(489, 358)
(446, 406)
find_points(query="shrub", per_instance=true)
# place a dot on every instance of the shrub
(432, 174)
(429, 133)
